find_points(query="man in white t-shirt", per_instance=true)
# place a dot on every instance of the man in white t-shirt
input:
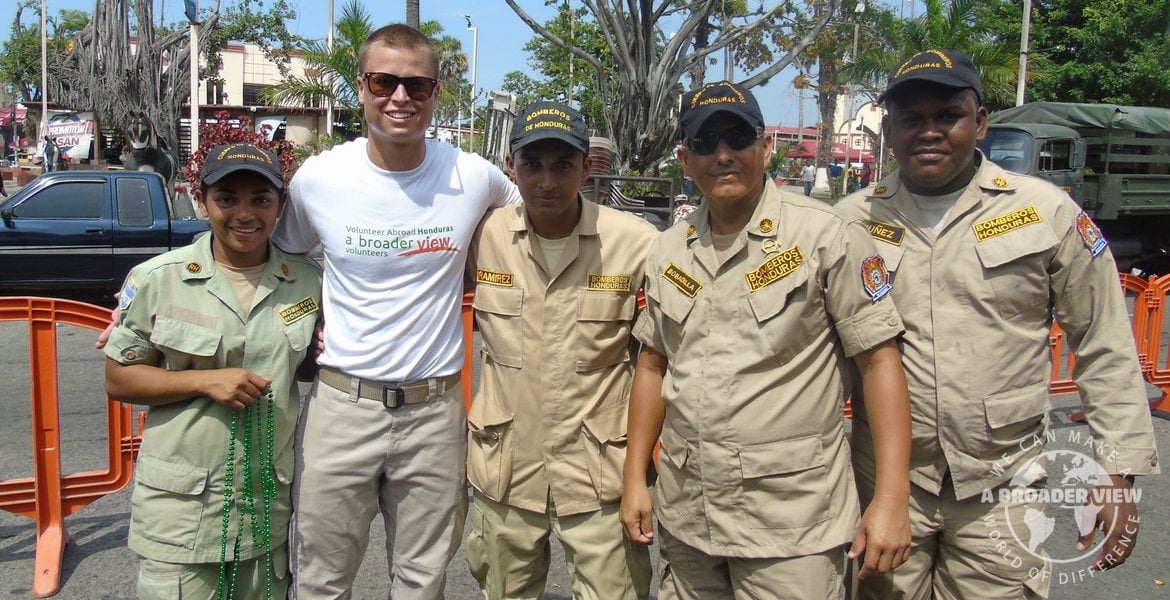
(383, 429)
(808, 175)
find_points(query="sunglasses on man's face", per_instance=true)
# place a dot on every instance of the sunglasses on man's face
(385, 84)
(737, 138)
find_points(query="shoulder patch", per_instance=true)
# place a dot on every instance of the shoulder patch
(875, 277)
(682, 280)
(774, 269)
(295, 312)
(600, 282)
(493, 278)
(126, 296)
(885, 232)
(1005, 223)
(1090, 234)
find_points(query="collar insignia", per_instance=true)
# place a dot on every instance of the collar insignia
(193, 267)
(766, 226)
(1000, 182)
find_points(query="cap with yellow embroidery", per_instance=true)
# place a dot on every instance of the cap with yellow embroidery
(549, 120)
(948, 68)
(225, 160)
(713, 98)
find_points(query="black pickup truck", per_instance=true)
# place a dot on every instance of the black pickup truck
(82, 231)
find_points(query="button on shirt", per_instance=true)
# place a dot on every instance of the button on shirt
(754, 459)
(550, 414)
(977, 298)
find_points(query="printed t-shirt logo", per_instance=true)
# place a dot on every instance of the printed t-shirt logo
(885, 232)
(775, 268)
(493, 278)
(295, 312)
(1005, 223)
(609, 283)
(875, 277)
(1090, 234)
(682, 280)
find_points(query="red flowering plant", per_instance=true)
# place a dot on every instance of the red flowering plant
(229, 130)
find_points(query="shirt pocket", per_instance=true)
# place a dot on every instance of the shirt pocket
(784, 483)
(603, 329)
(1015, 266)
(605, 449)
(499, 312)
(300, 334)
(185, 345)
(168, 501)
(1013, 418)
(786, 316)
(490, 441)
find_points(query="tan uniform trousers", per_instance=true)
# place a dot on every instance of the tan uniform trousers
(508, 552)
(158, 580)
(960, 550)
(689, 574)
(356, 457)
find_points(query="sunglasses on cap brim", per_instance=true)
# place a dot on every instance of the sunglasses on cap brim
(737, 138)
(385, 84)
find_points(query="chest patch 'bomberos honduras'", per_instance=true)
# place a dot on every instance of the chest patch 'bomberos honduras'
(1005, 223)
(775, 268)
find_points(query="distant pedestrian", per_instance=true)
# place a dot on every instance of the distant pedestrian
(866, 175)
(51, 154)
(808, 175)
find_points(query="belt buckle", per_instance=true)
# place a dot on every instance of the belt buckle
(399, 396)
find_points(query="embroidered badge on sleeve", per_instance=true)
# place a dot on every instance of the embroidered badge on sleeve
(875, 277)
(1090, 234)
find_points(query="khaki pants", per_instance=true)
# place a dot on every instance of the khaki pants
(159, 580)
(508, 552)
(960, 549)
(689, 574)
(356, 457)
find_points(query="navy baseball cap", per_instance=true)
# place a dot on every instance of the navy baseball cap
(224, 160)
(949, 68)
(713, 98)
(549, 121)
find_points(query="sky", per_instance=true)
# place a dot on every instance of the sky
(502, 36)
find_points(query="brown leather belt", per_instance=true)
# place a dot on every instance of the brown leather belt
(392, 394)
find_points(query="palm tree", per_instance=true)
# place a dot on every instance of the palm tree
(412, 13)
(946, 24)
(329, 75)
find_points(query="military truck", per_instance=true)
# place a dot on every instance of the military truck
(1113, 160)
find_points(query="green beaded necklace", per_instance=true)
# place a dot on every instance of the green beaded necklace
(260, 528)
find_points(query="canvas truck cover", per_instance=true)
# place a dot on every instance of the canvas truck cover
(1138, 119)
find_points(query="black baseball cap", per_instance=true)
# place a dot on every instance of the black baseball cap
(713, 98)
(224, 160)
(949, 68)
(549, 120)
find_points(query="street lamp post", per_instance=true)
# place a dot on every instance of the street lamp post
(332, 84)
(857, 12)
(474, 59)
(11, 89)
(191, 8)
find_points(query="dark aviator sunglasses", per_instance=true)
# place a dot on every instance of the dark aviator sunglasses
(737, 138)
(385, 84)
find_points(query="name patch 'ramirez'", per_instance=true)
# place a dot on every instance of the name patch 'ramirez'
(1005, 223)
(775, 268)
(493, 278)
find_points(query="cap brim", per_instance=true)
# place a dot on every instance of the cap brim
(699, 117)
(217, 176)
(939, 79)
(550, 135)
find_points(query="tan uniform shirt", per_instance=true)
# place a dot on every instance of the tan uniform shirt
(550, 415)
(181, 313)
(754, 459)
(978, 299)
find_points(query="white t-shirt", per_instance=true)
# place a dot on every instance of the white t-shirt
(395, 244)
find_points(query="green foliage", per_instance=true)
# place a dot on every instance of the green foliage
(558, 72)
(20, 54)
(225, 131)
(1097, 51)
(251, 21)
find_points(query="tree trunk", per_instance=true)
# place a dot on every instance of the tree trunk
(412, 13)
(827, 107)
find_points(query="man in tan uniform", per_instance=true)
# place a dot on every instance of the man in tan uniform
(755, 303)
(982, 259)
(556, 284)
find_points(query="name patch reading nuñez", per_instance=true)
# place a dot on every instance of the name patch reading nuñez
(775, 268)
(295, 312)
(609, 283)
(681, 280)
(885, 232)
(493, 278)
(1005, 223)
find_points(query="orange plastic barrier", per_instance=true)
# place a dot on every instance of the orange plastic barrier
(1159, 364)
(49, 496)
